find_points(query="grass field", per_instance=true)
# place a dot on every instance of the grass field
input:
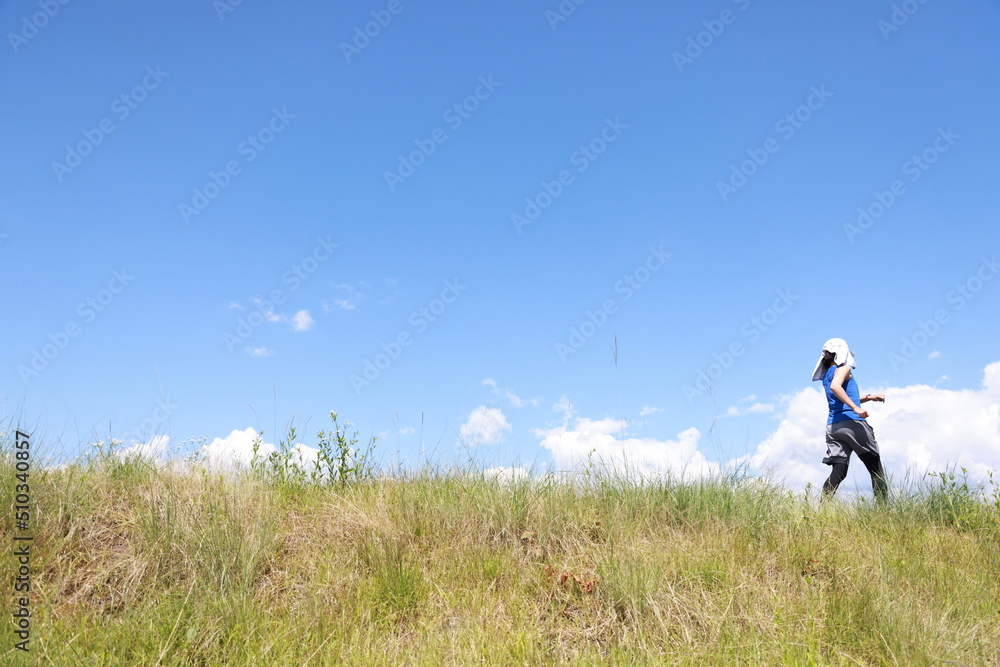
(136, 564)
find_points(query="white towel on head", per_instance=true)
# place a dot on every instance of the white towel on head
(841, 355)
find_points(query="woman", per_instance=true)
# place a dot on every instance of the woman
(846, 428)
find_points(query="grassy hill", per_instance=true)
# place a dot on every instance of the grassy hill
(136, 564)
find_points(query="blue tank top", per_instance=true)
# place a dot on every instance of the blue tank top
(839, 411)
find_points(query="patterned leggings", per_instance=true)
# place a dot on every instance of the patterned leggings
(844, 438)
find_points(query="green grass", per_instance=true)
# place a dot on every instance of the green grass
(136, 564)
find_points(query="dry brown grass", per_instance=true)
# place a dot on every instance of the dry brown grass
(139, 564)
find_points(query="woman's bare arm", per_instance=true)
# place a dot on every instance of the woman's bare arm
(837, 387)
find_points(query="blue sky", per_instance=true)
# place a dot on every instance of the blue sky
(476, 182)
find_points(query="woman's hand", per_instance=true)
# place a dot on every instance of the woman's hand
(878, 398)
(862, 413)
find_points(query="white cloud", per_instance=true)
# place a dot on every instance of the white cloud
(506, 475)
(155, 449)
(407, 430)
(646, 411)
(233, 305)
(259, 352)
(485, 426)
(302, 321)
(563, 405)
(919, 429)
(236, 451)
(935, 354)
(991, 378)
(588, 440)
(755, 409)
(795, 449)
(514, 400)
(348, 297)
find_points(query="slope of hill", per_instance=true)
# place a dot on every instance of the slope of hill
(141, 564)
